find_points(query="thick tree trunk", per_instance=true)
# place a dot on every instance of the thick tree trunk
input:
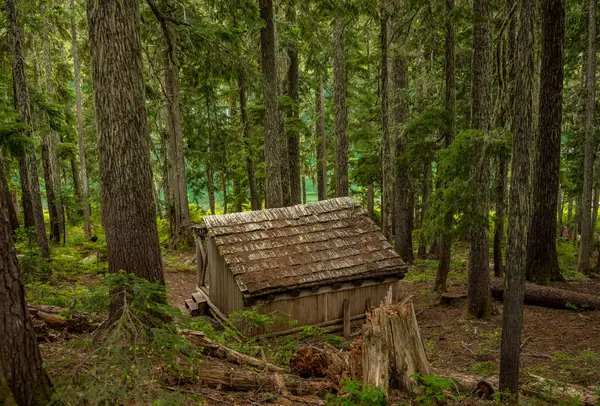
(254, 200)
(594, 218)
(13, 211)
(501, 187)
(85, 187)
(22, 379)
(273, 144)
(321, 142)
(30, 184)
(542, 257)
(519, 207)
(293, 91)
(387, 168)
(371, 201)
(128, 209)
(479, 300)
(445, 241)
(403, 194)
(583, 264)
(340, 111)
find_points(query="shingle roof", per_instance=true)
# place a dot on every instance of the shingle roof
(306, 245)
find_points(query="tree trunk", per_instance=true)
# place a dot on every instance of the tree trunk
(293, 91)
(371, 201)
(254, 200)
(583, 264)
(128, 209)
(50, 160)
(519, 207)
(303, 189)
(387, 168)
(570, 217)
(340, 112)
(501, 187)
(561, 206)
(13, 211)
(22, 379)
(542, 257)
(479, 300)
(25, 193)
(594, 219)
(30, 184)
(445, 241)
(224, 189)
(426, 191)
(273, 144)
(321, 142)
(403, 194)
(210, 185)
(87, 209)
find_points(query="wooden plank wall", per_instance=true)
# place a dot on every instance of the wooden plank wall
(223, 291)
(323, 307)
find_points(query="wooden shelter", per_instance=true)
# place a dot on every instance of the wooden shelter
(320, 263)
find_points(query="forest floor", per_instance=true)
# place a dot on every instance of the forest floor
(557, 344)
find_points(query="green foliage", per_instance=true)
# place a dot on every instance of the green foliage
(434, 389)
(354, 393)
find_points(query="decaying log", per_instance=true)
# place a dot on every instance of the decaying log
(553, 298)
(49, 317)
(242, 380)
(392, 349)
(220, 351)
(310, 362)
(552, 391)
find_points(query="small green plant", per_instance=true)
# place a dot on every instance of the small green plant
(354, 393)
(433, 387)
(485, 368)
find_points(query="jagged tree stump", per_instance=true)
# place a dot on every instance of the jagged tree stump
(392, 349)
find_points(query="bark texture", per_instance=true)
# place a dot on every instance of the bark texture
(520, 200)
(445, 241)
(321, 142)
(340, 111)
(403, 194)
(293, 91)
(254, 200)
(28, 166)
(273, 143)
(479, 299)
(542, 257)
(387, 168)
(22, 379)
(85, 187)
(128, 209)
(583, 264)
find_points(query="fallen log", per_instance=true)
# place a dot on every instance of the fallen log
(392, 349)
(551, 391)
(553, 298)
(50, 317)
(242, 380)
(220, 351)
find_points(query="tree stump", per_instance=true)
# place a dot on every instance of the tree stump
(392, 349)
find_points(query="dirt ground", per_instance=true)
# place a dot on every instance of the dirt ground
(558, 344)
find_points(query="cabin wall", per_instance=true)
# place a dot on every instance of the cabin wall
(322, 307)
(222, 290)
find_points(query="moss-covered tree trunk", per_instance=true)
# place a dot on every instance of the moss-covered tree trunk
(520, 200)
(85, 187)
(254, 199)
(387, 167)
(583, 264)
(479, 297)
(28, 166)
(445, 242)
(128, 209)
(321, 141)
(293, 91)
(542, 257)
(340, 111)
(271, 120)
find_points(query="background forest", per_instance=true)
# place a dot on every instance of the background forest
(466, 129)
